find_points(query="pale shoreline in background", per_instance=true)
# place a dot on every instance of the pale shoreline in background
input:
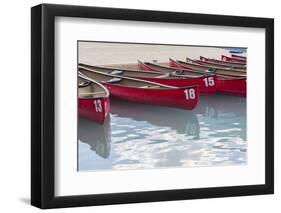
(104, 53)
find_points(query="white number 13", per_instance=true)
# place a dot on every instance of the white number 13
(98, 105)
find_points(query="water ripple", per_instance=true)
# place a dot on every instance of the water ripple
(143, 136)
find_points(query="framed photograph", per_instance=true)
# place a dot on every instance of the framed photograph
(139, 106)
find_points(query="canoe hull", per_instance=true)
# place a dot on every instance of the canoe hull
(183, 98)
(144, 67)
(94, 109)
(232, 87)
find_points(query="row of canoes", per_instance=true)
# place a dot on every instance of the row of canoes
(175, 84)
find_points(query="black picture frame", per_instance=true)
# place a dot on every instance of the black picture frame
(42, 105)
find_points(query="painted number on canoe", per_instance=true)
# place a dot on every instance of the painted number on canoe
(209, 82)
(189, 94)
(98, 105)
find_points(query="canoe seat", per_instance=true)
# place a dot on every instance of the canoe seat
(113, 81)
(211, 70)
(116, 72)
(84, 84)
(178, 72)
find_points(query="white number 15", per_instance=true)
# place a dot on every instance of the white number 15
(209, 81)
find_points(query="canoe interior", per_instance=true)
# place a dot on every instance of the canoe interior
(119, 70)
(159, 67)
(228, 63)
(164, 67)
(89, 89)
(223, 66)
(122, 81)
(218, 71)
(132, 66)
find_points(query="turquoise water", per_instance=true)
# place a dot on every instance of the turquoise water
(143, 136)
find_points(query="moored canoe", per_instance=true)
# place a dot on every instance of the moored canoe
(228, 63)
(147, 92)
(206, 62)
(93, 101)
(238, 56)
(206, 83)
(232, 59)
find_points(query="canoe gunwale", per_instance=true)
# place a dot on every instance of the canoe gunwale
(163, 86)
(207, 67)
(161, 74)
(182, 63)
(240, 68)
(97, 83)
(173, 70)
(86, 66)
(227, 63)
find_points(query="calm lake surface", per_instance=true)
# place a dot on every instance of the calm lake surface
(140, 136)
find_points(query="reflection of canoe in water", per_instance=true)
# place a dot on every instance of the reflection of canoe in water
(93, 100)
(184, 122)
(226, 113)
(97, 136)
(213, 106)
(157, 77)
(140, 91)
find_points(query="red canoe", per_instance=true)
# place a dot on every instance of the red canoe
(220, 64)
(206, 83)
(93, 100)
(191, 64)
(140, 91)
(239, 56)
(227, 85)
(231, 59)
